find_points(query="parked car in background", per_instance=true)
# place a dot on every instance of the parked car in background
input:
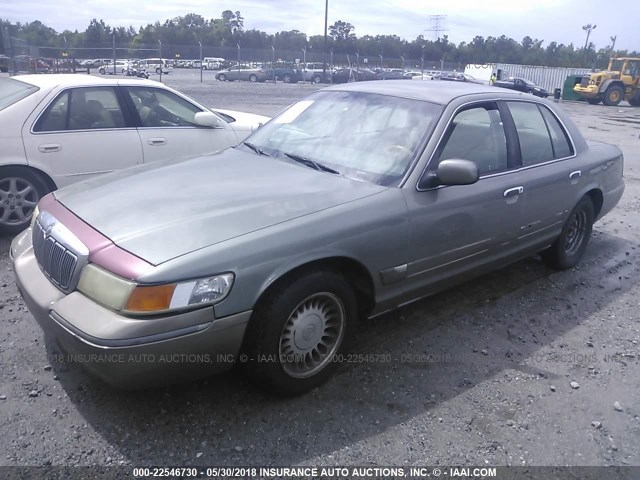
(346, 75)
(522, 85)
(316, 72)
(243, 72)
(212, 63)
(157, 65)
(392, 75)
(122, 67)
(460, 77)
(58, 129)
(419, 76)
(211, 258)
(284, 73)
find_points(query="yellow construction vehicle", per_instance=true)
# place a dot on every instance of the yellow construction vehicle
(621, 81)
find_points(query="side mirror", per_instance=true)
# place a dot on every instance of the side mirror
(207, 119)
(457, 172)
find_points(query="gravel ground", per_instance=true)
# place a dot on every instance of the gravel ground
(524, 366)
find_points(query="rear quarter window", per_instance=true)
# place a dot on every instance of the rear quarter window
(12, 91)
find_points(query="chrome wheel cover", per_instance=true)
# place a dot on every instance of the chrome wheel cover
(18, 199)
(311, 335)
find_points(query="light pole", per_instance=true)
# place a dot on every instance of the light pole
(160, 55)
(201, 60)
(238, 53)
(326, 18)
(380, 60)
(422, 61)
(587, 28)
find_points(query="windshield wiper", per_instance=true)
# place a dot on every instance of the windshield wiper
(255, 149)
(311, 163)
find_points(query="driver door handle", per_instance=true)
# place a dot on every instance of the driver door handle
(513, 191)
(157, 141)
(575, 175)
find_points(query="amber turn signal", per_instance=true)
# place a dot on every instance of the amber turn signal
(150, 299)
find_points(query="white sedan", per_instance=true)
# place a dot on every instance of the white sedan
(59, 129)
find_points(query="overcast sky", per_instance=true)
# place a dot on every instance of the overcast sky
(559, 20)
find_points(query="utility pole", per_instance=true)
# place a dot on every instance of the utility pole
(437, 25)
(326, 18)
(113, 52)
(160, 55)
(238, 53)
(201, 60)
(587, 28)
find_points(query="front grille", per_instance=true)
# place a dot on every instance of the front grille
(57, 260)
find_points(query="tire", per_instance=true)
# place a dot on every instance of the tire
(570, 246)
(253, 79)
(613, 96)
(286, 79)
(102, 71)
(222, 77)
(158, 70)
(316, 79)
(325, 297)
(593, 101)
(17, 204)
(635, 101)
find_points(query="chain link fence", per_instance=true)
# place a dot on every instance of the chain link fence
(24, 58)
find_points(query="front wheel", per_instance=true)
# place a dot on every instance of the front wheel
(222, 77)
(613, 96)
(158, 70)
(570, 246)
(286, 79)
(102, 71)
(20, 192)
(253, 79)
(297, 334)
(316, 79)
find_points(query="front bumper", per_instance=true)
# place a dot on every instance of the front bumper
(127, 352)
(588, 91)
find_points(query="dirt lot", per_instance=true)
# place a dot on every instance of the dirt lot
(480, 374)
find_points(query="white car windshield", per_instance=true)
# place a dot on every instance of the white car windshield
(363, 136)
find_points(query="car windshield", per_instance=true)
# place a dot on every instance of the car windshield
(12, 91)
(363, 136)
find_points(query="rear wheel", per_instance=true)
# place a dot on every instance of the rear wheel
(316, 79)
(593, 101)
(20, 191)
(613, 95)
(635, 101)
(286, 78)
(102, 71)
(297, 333)
(570, 246)
(253, 79)
(158, 70)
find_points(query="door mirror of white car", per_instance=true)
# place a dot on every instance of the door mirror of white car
(208, 119)
(457, 172)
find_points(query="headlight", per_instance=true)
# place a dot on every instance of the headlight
(121, 294)
(173, 296)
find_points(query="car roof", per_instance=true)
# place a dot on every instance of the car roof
(434, 91)
(79, 80)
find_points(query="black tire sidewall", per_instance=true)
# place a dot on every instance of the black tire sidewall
(263, 336)
(608, 92)
(253, 79)
(556, 256)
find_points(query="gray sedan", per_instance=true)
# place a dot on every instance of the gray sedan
(286, 240)
(243, 72)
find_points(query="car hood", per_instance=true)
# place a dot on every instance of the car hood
(244, 123)
(167, 209)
